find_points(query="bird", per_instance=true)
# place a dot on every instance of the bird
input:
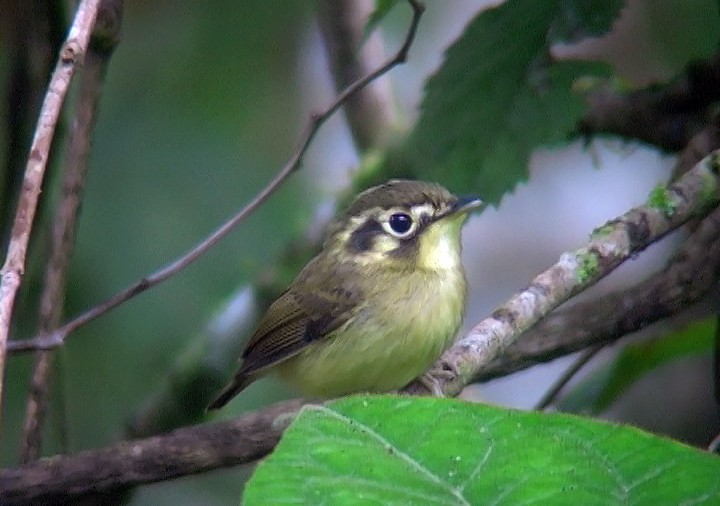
(376, 307)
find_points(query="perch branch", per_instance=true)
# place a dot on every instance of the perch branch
(696, 269)
(610, 245)
(603, 320)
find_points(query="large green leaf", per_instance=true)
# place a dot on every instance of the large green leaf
(496, 97)
(601, 388)
(401, 450)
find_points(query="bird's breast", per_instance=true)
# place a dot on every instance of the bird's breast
(402, 327)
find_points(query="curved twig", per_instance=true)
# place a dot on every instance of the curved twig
(57, 337)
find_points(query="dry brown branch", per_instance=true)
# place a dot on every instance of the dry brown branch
(57, 337)
(179, 453)
(71, 55)
(666, 116)
(103, 40)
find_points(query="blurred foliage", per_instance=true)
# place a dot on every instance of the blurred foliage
(352, 452)
(596, 392)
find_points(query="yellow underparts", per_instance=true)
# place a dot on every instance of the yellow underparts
(407, 321)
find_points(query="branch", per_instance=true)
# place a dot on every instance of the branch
(103, 41)
(609, 246)
(605, 319)
(57, 337)
(179, 453)
(371, 113)
(663, 116)
(71, 55)
(602, 321)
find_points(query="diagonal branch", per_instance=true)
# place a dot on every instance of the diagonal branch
(56, 338)
(602, 321)
(71, 55)
(610, 245)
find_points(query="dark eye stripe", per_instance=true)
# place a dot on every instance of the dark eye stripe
(362, 238)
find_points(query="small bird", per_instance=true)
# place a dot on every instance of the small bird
(377, 306)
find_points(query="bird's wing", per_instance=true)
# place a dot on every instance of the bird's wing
(301, 315)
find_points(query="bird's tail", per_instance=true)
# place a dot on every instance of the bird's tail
(237, 385)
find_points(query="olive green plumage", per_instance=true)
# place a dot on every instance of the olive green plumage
(375, 308)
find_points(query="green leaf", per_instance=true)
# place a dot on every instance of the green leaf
(495, 98)
(601, 388)
(401, 450)
(382, 8)
(578, 19)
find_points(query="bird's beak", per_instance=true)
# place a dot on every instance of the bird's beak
(466, 204)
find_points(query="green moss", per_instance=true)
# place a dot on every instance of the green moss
(588, 265)
(660, 199)
(602, 231)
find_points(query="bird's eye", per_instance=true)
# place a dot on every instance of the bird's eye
(400, 223)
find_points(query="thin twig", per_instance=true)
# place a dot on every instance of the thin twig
(58, 336)
(549, 396)
(104, 38)
(71, 55)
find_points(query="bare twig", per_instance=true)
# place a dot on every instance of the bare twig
(62, 479)
(610, 245)
(371, 112)
(58, 336)
(549, 396)
(104, 38)
(71, 55)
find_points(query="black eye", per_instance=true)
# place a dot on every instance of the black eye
(400, 223)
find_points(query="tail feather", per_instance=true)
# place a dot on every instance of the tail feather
(237, 385)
